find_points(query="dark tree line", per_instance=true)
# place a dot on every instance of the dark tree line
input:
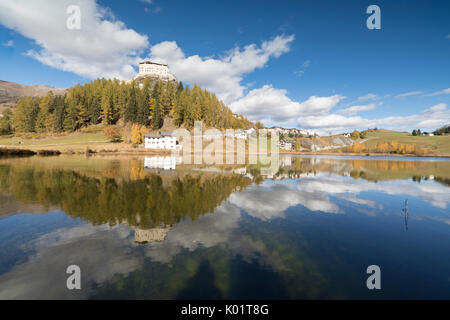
(110, 101)
(443, 131)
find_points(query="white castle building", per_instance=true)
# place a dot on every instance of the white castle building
(160, 70)
(150, 235)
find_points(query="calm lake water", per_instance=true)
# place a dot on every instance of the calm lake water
(151, 228)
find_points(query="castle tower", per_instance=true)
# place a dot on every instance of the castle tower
(148, 68)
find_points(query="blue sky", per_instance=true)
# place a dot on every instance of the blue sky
(309, 64)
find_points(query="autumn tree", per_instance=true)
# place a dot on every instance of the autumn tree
(259, 125)
(130, 113)
(157, 119)
(5, 122)
(24, 118)
(109, 112)
(45, 121)
(113, 133)
(71, 122)
(143, 110)
(137, 133)
(157, 114)
(355, 134)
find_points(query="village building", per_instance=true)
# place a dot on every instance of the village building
(240, 134)
(287, 144)
(250, 132)
(209, 137)
(161, 140)
(288, 132)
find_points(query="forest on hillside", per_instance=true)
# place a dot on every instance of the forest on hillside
(109, 102)
(442, 131)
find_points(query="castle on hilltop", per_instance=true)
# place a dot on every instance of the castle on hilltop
(148, 68)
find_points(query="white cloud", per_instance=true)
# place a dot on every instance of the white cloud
(438, 93)
(437, 108)
(338, 186)
(355, 109)
(103, 47)
(315, 105)
(9, 43)
(332, 122)
(220, 75)
(153, 9)
(86, 246)
(369, 96)
(433, 117)
(407, 94)
(271, 105)
(303, 68)
(256, 201)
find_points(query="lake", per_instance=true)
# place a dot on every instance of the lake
(153, 228)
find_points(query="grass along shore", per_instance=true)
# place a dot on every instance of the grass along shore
(95, 141)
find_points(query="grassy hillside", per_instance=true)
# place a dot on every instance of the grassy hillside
(439, 145)
(55, 140)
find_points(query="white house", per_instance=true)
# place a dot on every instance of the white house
(287, 144)
(250, 131)
(303, 132)
(240, 134)
(210, 137)
(161, 140)
(165, 163)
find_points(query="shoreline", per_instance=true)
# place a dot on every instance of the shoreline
(352, 154)
(128, 150)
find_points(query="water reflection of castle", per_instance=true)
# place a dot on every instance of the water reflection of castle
(150, 235)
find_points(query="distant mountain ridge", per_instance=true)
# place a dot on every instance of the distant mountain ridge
(11, 92)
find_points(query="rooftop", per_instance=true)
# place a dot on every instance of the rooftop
(151, 62)
(159, 134)
(288, 141)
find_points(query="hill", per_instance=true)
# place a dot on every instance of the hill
(375, 141)
(118, 103)
(11, 92)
